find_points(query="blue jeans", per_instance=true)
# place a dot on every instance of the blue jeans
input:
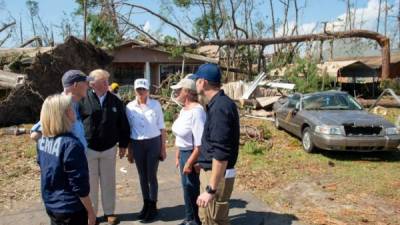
(191, 188)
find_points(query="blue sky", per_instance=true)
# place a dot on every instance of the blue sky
(51, 11)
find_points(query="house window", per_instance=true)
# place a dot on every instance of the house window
(167, 69)
(127, 73)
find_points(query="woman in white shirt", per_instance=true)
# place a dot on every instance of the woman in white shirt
(146, 121)
(188, 129)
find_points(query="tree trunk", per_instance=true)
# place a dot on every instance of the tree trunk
(273, 21)
(385, 18)
(383, 41)
(398, 26)
(84, 19)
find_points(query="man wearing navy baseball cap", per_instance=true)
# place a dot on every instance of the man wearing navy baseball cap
(75, 83)
(219, 147)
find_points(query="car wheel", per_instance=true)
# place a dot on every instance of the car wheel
(306, 141)
(276, 123)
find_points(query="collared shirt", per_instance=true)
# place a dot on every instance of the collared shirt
(77, 127)
(220, 139)
(145, 121)
(101, 99)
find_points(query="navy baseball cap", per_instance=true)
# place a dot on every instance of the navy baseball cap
(208, 71)
(72, 76)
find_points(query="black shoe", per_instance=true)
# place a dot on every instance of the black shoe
(151, 211)
(143, 212)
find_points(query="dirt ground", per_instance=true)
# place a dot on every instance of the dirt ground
(323, 188)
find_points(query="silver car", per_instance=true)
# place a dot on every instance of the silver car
(334, 120)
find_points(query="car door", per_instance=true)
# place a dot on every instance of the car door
(286, 112)
(292, 117)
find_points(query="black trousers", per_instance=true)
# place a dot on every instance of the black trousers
(76, 218)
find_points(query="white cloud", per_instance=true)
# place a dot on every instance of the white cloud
(365, 18)
(147, 26)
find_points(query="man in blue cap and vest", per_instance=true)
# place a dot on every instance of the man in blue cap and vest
(219, 147)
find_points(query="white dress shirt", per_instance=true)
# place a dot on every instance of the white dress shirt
(145, 121)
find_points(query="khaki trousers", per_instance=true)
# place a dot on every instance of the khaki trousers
(217, 212)
(102, 173)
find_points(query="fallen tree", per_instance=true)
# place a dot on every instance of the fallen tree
(383, 41)
(43, 78)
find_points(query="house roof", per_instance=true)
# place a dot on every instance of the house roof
(373, 61)
(135, 44)
(333, 67)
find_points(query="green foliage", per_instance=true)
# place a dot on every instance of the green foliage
(91, 4)
(183, 3)
(305, 74)
(393, 84)
(170, 113)
(175, 51)
(102, 32)
(202, 26)
(266, 131)
(254, 148)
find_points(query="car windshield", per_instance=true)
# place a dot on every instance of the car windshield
(330, 102)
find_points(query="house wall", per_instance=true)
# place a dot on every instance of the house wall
(127, 58)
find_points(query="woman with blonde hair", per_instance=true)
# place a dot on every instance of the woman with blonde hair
(63, 165)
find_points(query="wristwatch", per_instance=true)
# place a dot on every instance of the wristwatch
(209, 190)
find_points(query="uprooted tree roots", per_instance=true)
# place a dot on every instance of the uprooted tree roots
(23, 104)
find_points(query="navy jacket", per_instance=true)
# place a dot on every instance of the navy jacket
(220, 138)
(64, 173)
(104, 125)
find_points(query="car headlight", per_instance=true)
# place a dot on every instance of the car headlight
(331, 130)
(392, 131)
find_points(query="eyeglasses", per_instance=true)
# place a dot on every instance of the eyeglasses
(141, 89)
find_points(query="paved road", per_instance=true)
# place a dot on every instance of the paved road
(245, 208)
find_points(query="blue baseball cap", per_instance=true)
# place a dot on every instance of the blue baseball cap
(208, 71)
(72, 76)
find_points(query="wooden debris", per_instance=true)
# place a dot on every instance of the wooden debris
(14, 130)
(261, 113)
(267, 101)
(9, 80)
(252, 103)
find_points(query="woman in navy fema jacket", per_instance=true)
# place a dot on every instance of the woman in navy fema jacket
(63, 165)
